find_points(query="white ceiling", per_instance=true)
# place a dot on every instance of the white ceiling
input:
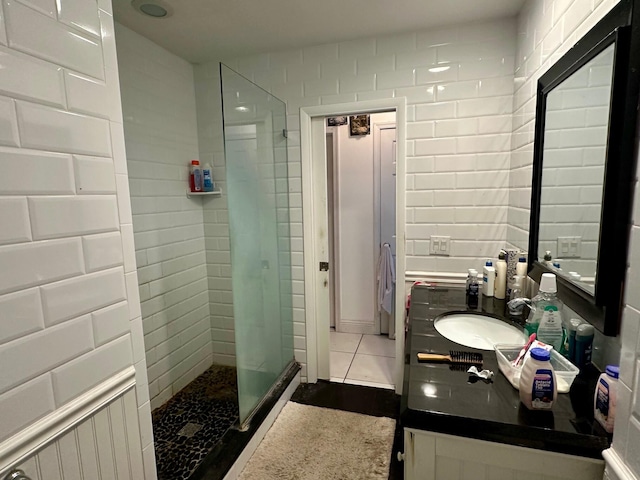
(203, 30)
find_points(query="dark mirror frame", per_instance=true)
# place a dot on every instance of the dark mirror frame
(622, 27)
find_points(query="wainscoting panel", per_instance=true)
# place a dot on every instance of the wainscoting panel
(104, 446)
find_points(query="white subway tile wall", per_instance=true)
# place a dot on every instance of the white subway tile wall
(64, 307)
(458, 82)
(216, 218)
(546, 30)
(161, 136)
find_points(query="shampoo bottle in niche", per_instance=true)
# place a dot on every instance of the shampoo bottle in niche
(196, 176)
(606, 397)
(207, 180)
(538, 386)
(500, 291)
(550, 328)
(488, 279)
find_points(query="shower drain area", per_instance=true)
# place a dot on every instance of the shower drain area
(189, 426)
(189, 430)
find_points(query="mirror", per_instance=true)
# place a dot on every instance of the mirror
(574, 154)
(584, 169)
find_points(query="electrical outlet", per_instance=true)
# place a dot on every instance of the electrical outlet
(569, 247)
(440, 246)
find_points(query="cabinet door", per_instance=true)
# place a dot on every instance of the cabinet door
(419, 456)
(432, 456)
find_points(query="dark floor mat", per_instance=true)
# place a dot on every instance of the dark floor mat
(188, 426)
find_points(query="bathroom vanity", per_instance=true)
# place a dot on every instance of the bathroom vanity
(455, 429)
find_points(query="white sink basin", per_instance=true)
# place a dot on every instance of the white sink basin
(478, 331)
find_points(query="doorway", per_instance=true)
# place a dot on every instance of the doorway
(361, 236)
(316, 204)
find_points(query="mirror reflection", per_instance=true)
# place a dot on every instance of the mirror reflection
(575, 141)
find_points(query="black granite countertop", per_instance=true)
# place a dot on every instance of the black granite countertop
(438, 399)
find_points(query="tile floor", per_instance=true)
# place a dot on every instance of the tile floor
(362, 359)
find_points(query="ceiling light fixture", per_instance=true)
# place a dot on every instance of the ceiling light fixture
(152, 8)
(242, 109)
(439, 69)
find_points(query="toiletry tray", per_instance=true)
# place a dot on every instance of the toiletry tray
(566, 371)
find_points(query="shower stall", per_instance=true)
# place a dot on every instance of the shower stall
(255, 138)
(214, 270)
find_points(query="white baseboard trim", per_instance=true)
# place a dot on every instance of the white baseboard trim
(441, 278)
(251, 447)
(615, 468)
(28, 441)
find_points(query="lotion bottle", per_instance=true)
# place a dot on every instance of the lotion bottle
(606, 398)
(538, 386)
(488, 279)
(521, 267)
(500, 291)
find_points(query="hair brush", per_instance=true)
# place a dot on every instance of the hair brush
(455, 357)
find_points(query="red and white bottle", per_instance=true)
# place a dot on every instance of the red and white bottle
(195, 178)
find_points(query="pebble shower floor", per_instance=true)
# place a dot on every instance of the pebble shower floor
(188, 426)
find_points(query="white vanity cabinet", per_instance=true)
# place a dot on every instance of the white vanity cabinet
(436, 456)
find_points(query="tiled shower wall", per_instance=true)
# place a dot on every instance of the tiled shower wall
(216, 218)
(459, 135)
(68, 290)
(161, 135)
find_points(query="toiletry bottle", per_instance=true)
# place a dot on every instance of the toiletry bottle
(548, 259)
(207, 180)
(468, 281)
(550, 328)
(556, 265)
(606, 398)
(521, 267)
(488, 279)
(516, 290)
(516, 308)
(538, 386)
(500, 291)
(196, 173)
(575, 276)
(474, 289)
(584, 345)
(572, 327)
(545, 298)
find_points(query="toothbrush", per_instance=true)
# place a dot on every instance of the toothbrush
(524, 350)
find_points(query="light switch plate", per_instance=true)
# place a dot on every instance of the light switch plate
(569, 247)
(440, 246)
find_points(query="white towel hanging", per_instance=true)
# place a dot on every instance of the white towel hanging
(386, 279)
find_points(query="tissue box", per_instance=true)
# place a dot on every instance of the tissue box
(512, 259)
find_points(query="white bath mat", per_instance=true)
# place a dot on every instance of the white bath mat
(307, 443)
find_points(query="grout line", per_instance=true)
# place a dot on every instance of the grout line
(354, 356)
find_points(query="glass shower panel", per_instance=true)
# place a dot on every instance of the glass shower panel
(258, 202)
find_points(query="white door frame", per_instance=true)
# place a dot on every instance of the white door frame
(314, 220)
